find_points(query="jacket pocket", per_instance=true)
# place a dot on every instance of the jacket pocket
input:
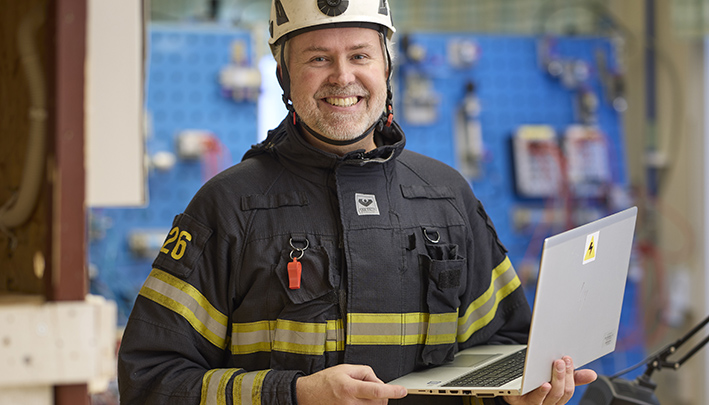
(315, 280)
(301, 329)
(444, 270)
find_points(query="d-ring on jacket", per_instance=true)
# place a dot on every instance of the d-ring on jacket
(401, 268)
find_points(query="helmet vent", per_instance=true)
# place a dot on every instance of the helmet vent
(383, 10)
(281, 16)
(333, 8)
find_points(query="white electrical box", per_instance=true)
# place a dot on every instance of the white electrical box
(537, 161)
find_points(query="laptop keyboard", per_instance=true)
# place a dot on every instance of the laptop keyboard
(493, 375)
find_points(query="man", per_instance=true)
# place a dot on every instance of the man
(331, 259)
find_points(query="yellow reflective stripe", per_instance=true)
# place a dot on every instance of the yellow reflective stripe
(402, 329)
(252, 337)
(236, 389)
(258, 386)
(214, 393)
(187, 301)
(247, 387)
(287, 336)
(204, 396)
(223, 382)
(482, 310)
(299, 337)
(387, 329)
(335, 336)
(442, 328)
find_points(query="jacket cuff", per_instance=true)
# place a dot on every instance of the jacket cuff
(294, 394)
(279, 387)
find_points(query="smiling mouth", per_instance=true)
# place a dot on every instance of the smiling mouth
(342, 101)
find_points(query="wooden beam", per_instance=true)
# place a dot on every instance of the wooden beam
(66, 276)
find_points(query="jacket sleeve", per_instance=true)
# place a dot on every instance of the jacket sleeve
(176, 344)
(494, 309)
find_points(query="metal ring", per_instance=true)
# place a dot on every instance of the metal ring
(307, 244)
(434, 240)
(292, 254)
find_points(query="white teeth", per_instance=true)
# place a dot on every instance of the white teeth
(342, 102)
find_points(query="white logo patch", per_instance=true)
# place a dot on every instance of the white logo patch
(366, 204)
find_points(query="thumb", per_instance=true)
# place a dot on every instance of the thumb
(379, 390)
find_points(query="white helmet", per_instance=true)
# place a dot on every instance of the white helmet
(294, 16)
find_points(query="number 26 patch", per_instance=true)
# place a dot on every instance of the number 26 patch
(183, 246)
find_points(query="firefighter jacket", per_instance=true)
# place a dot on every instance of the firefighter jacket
(295, 260)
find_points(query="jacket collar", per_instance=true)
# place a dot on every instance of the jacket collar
(287, 145)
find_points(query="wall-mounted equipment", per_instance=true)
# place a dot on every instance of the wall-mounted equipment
(240, 80)
(470, 149)
(538, 161)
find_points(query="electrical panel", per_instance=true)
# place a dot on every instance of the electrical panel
(586, 151)
(537, 161)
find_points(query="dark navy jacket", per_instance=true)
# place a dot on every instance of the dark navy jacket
(400, 268)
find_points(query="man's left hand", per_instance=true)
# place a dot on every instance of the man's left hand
(564, 379)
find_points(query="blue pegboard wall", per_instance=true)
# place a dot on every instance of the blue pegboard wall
(183, 93)
(513, 90)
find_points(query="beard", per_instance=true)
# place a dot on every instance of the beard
(341, 126)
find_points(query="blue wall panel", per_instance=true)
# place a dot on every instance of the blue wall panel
(182, 93)
(513, 91)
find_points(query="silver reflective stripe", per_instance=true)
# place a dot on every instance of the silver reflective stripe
(335, 336)
(482, 311)
(247, 387)
(214, 393)
(300, 337)
(187, 301)
(287, 336)
(387, 329)
(252, 337)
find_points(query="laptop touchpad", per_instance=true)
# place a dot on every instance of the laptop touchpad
(470, 360)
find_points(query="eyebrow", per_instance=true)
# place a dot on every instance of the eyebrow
(315, 48)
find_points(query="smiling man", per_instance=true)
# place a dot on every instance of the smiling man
(331, 260)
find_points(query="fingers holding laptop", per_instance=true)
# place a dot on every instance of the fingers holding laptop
(345, 384)
(560, 389)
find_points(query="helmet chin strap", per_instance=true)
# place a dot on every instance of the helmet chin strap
(386, 119)
(336, 142)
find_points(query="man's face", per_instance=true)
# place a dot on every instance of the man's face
(338, 80)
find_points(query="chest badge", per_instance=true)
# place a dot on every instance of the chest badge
(366, 204)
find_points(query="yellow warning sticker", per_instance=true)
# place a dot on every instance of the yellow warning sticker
(589, 254)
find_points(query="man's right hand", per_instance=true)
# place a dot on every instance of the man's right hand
(345, 384)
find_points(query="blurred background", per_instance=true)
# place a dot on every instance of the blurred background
(558, 112)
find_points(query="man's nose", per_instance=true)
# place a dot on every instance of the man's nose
(342, 72)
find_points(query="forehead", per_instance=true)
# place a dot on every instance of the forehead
(336, 39)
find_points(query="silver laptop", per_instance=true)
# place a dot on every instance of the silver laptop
(577, 310)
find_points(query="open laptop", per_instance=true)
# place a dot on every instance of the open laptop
(576, 312)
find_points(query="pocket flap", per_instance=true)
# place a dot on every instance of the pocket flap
(430, 192)
(315, 280)
(267, 201)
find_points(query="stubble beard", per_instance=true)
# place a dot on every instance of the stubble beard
(342, 126)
